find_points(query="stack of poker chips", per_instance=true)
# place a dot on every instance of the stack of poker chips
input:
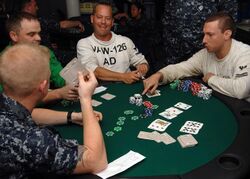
(148, 110)
(197, 88)
(136, 99)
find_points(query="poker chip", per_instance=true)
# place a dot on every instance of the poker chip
(134, 118)
(155, 106)
(122, 118)
(110, 133)
(120, 123)
(127, 112)
(117, 128)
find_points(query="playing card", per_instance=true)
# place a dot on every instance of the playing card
(144, 135)
(191, 127)
(173, 110)
(167, 115)
(107, 96)
(96, 103)
(182, 105)
(156, 136)
(159, 125)
(167, 139)
(157, 93)
(187, 140)
(69, 72)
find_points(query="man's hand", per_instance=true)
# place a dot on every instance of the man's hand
(77, 117)
(151, 83)
(131, 77)
(142, 68)
(87, 85)
(68, 92)
(207, 76)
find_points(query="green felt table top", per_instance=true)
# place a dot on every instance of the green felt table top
(218, 131)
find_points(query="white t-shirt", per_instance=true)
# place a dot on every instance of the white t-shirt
(117, 54)
(232, 73)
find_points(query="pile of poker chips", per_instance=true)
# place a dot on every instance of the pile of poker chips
(197, 89)
(148, 109)
(136, 99)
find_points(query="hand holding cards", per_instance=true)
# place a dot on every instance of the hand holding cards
(69, 72)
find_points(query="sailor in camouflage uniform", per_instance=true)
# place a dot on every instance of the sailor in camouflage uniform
(25, 147)
(182, 25)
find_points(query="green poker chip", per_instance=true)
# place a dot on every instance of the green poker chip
(134, 118)
(121, 118)
(120, 123)
(117, 128)
(110, 133)
(155, 106)
(128, 112)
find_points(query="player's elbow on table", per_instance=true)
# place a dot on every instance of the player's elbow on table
(242, 92)
(95, 163)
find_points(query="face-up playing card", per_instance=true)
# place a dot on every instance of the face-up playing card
(167, 115)
(182, 105)
(107, 96)
(95, 103)
(156, 93)
(173, 110)
(159, 125)
(191, 127)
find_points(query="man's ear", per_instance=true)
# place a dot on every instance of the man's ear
(13, 36)
(228, 34)
(43, 87)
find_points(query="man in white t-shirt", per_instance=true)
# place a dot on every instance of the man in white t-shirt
(224, 62)
(109, 55)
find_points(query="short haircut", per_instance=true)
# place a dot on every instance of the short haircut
(226, 21)
(14, 21)
(105, 3)
(23, 67)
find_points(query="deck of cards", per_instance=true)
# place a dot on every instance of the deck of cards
(187, 140)
(157, 137)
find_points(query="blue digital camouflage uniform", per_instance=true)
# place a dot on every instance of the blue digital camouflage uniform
(183, 23)
(26, 148)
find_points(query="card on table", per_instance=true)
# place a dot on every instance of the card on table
(167, 115)
(108, 96)
(191, 127)
(156, 93)
(187, 140)
(159, 125)
(167, 139)
(173, 110)
(145, 135)
(95, 103)
(182, 105)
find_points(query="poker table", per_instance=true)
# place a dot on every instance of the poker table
(223, 149)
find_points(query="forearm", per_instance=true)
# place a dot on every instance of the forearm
(107, 75)
(52, 96)
(95, 157)
(49, 117)
(237, 88)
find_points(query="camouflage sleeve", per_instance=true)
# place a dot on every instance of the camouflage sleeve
(46, 152)
(55, 67)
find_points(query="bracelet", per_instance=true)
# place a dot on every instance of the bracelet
(69, 119)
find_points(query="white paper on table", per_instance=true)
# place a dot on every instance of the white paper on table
(121, 164)
(99, 89)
